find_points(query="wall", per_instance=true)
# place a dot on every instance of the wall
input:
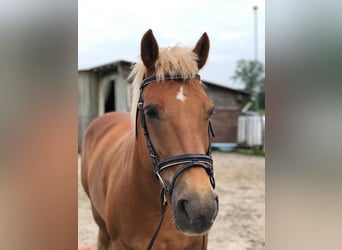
(122, 103)
(225, 124)
(87, 101)
(121, 92)
(224, 98)
(227, 110)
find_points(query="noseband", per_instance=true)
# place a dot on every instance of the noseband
(187, 160)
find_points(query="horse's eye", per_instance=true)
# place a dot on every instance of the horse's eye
(152, 112)
(211, 112)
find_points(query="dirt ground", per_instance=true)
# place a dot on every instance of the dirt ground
(240, 225)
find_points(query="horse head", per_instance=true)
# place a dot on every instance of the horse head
(176, 120)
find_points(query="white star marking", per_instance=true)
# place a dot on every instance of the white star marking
(180, 95)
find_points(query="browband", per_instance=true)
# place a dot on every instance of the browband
(167, 77)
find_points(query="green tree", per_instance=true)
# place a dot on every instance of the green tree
(252, 75)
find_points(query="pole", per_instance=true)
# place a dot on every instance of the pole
(255, 8)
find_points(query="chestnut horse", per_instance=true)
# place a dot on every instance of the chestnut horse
(166, 136)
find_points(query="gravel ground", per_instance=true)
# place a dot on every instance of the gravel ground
(240, 225)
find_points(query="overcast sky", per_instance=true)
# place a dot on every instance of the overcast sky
(111, 30)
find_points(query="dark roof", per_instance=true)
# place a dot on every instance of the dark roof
(226, 88)
(109, 67)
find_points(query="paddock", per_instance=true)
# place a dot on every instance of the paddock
(240, 224)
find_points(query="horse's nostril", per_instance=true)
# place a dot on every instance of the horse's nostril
(181, 204)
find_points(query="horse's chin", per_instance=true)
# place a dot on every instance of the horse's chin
(190, 228)
(189, 233)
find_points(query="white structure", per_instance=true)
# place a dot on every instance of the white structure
(251, 130)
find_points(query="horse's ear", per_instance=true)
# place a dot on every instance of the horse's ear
(202, 50)
(149, 50)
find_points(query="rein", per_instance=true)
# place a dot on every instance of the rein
(189, 160)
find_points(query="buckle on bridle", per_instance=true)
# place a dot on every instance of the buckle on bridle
(160, 180)
(140, 105)
(163, 196)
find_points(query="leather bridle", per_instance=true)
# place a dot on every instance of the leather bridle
(188, 160)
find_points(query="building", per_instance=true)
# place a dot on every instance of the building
(105, 88)
(228, 105)
(102, 89)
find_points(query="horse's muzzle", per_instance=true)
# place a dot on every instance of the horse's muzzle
(194, 215)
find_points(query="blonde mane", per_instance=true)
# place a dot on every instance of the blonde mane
(173, 61)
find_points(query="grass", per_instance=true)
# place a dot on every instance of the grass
(256, 150)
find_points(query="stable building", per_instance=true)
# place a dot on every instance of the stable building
(228, 104)
(105, 88)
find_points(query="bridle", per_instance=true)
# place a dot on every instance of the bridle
(188, 160)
